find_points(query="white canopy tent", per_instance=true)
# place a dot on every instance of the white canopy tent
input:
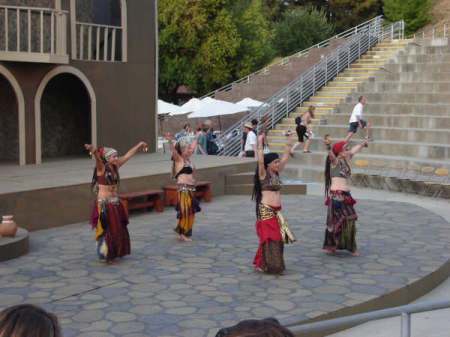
(213, 107)
(165, 108)
(251, 103)
(190, 106)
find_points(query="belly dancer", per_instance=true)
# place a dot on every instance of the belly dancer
(183, 172)
(271, 227)
(109, 217)
(341, 216)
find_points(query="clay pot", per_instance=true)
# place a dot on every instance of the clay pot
(8, 227)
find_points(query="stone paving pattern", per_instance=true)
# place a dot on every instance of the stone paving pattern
(172, 288)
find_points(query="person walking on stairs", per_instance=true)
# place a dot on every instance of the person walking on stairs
(303, 130)
(357, 121)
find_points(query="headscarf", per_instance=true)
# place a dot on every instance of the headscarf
(338, 147)
(107, 152)
(270, 157)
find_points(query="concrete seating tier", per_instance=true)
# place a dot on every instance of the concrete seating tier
(406, 84)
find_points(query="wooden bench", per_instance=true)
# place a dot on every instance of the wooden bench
(202, 191)
(153, 199)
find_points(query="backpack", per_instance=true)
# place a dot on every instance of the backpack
(211, 147)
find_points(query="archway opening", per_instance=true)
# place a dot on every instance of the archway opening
(9, 123)
(65, 117)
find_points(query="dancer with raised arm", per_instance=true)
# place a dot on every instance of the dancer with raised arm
(341, 216)
(109, 217)
(271, 227)
(182, 171)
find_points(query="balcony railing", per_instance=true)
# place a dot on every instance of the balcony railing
(33, 34)
(98, 42)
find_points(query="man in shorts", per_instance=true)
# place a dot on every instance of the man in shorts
(357, 121)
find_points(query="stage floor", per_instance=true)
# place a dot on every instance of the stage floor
(172, 288)
(75, 171)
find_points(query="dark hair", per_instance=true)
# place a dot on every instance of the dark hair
(311, 109)
(360, 98)
(257, 191)
(27, 320)
(186, 125)
(180, 151)
(269, 327)
(254, 122)
(327, 175)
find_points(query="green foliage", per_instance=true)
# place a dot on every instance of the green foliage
(256, 47)
(205, 44)
(301, 28)
(414, 12)
(346, 14)
(197, 42)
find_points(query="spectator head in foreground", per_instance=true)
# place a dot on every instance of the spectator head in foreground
(27, 320)
(269, 327)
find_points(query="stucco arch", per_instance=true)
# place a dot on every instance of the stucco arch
(37, 104)
(21, 110)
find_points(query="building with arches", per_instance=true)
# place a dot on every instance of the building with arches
(75, 72)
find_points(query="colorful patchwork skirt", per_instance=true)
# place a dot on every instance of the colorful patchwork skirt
(341, 217)
(110, 219)
(187, 206)
(269, 257)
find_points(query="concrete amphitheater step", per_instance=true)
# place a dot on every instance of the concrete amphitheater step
(413, 76)
(437, 151)
(417, 67)
(394, 165)
(411, 87)
(397, 108)
(391, 120)
(422, 58)
(377, 132)
(421, 185)
(418, 97)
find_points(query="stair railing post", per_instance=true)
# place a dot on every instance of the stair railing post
(406, 324)
(314, 79)
(326, 69)
(287, 102)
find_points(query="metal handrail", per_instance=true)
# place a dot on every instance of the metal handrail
(294, 94)
(285, 60)
(404, 311)
(434, 32)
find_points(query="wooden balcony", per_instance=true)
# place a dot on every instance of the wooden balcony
(32, 34)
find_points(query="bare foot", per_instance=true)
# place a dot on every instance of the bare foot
(103, 260)
(178, 235)
(355, 254)
(112, 261)
(185, 238)
(258, 269)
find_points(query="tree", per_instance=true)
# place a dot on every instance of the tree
(345, 14)
(414, 12)
(256, 45)
(197, 42)
(301, 28)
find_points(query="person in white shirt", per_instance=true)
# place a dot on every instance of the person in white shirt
(357, 121)
(251, 141)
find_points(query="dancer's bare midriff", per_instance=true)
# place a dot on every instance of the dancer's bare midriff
(186, 179)
(339, 184)
(106, 191)
(271, 198)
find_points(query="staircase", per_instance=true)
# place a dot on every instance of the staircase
(406, 83)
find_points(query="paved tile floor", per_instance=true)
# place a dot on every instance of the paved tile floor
(172, 288)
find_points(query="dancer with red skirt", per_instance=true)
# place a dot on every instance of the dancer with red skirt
(271, 227)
